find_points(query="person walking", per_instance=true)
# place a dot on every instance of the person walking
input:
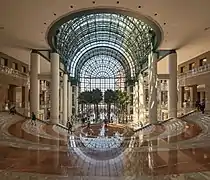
(33, 118)
(197, 105)
(12, 110)
(202, 106)
(69, 126)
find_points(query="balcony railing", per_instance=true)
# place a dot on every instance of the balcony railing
(195, 71)
(13, 72)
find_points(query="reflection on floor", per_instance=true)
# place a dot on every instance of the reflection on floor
(178, 149)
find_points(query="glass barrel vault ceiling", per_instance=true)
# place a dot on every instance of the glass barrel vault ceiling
(102, 35)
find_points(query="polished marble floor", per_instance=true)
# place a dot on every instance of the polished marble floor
(178, 149)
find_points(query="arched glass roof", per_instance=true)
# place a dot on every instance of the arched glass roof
(107, 56)
(115, 36)
(101, 67)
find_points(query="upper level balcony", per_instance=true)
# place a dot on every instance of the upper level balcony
(195, 72)
(12, 72)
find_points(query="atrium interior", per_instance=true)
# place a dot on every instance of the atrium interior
(106, 90)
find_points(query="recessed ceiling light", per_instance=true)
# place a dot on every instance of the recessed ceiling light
(139, 7)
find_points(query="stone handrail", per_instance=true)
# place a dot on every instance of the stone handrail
(180, 113)
(13, 72)
(195, 71)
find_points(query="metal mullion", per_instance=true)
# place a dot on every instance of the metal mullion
(126, 58)
(113, 23)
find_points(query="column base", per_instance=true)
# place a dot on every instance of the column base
(155, 123)
(54, 120)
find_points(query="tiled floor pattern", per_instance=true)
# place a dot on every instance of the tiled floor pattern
(176, 149)
(5, 175)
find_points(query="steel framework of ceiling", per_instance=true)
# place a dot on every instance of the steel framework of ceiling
(107, 35)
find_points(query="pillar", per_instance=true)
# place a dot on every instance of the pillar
(129, 105)
(65, 99)
(207, 97)
(202, 95)
(152, 88)
(25, 92)
(69, 100)
(61, 102)
(135, 102)
(35, 83)
(181, 94)
(172, 85)
(193, 95)
(55, 84)
(141, 99)
(76, 99)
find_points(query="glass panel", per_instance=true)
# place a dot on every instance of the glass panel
(127, 35)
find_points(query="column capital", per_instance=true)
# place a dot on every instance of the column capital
(53, 51)
(173, 51)
(34, 51)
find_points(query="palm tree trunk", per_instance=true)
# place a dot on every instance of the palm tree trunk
(109, 111)
(82, 107)
(94, 105)
(97, 111)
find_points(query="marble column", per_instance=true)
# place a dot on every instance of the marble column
(181, 95)
(141, 99)
(207, 97)
(35, 84)
(65, 99)
(193, 95)
(76, 92)
(135, 102)
(129, 105)
(69, 100)
(202, 95)
(25, 100)
(61, 102)
(55, 84)
(172, 86)
(152, 88)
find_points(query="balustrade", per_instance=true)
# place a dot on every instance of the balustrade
(195, 71)
(13, 72)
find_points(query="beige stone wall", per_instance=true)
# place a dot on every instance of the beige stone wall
(10, 85)
(195, 60)
(13, 60)
(196, 78)
(3, 95)
(162, 66)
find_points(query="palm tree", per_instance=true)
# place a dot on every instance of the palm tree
(96, 99)
(81, 100)
(122, 100)
(84, 98)
(109, 98)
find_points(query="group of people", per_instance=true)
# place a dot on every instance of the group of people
(200, 105)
